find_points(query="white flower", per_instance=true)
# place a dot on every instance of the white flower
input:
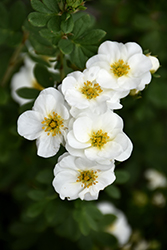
(155, 63)
(124, 66)
(77, 177)
(159, 199)
(47, 122)
(120, 227)
(82, 91)
(155, 178)
(99, 138)
(24, 78)
(142, 245)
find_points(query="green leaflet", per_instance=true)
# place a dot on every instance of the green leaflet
(28, 93)
(66, 46)
(38, 19)
(39, 6)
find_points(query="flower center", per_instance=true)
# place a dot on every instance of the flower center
(88, 178)
(36, 85)
(99, 138)
(91, 90)
(120, 68)
(52, 124)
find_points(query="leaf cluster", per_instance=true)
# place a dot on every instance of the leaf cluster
(57, 28)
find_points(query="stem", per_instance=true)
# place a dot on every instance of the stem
(13, 61)
(62, 73)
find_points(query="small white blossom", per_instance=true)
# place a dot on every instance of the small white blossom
(155, 178)
(82, 91)
(159, 199)
(120, 227)
(155, 63)
(77, 177)
(125, 67)
(47, 122)
(24, 78)
(99, 138)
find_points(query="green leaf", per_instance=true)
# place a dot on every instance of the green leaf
(46, 33)
(28, 93)
(113, 192)
(4, 20)
(82, 24)
(78, 57)
(39, 6)
(89, 50)
(40, 44)
(93, 37)
(67, 25)
(39, 59)
(54, 24)
(17, 15)
(43, 76)
(38, 19)
(106, 220)
(52, 5)
(35, 209)
(79, 216)
(56, 39)
(121, 176)
(87, 217)
(105, 239)
(36, 195)
(66, 46)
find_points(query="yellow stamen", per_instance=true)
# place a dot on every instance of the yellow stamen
(120, 68)
(98, 139)
(91, 90)
(88, 178)
(52, 124)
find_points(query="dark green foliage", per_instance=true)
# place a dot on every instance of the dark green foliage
(32, 216)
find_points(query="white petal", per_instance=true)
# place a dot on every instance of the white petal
(74, 151)
(133, 48)
(29, 124)
(54, 92)
(146, 78)
(73, 142)
(139, 64)
(155, 63)
(98, 60)
(111, 48)
(126, 152)
(75, 98)
(65, 184)
(82, 127)
(106, 79)
(62, 111)
(68, 83)
(45, 104)
(85, 195)
(48, 145)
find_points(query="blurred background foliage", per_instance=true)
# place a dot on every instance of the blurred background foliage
(31, 214)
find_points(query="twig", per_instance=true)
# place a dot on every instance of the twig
(13, 61)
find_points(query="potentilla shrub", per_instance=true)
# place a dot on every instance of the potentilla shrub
(69, 88)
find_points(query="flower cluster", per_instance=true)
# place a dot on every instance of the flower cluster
(80, 115)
